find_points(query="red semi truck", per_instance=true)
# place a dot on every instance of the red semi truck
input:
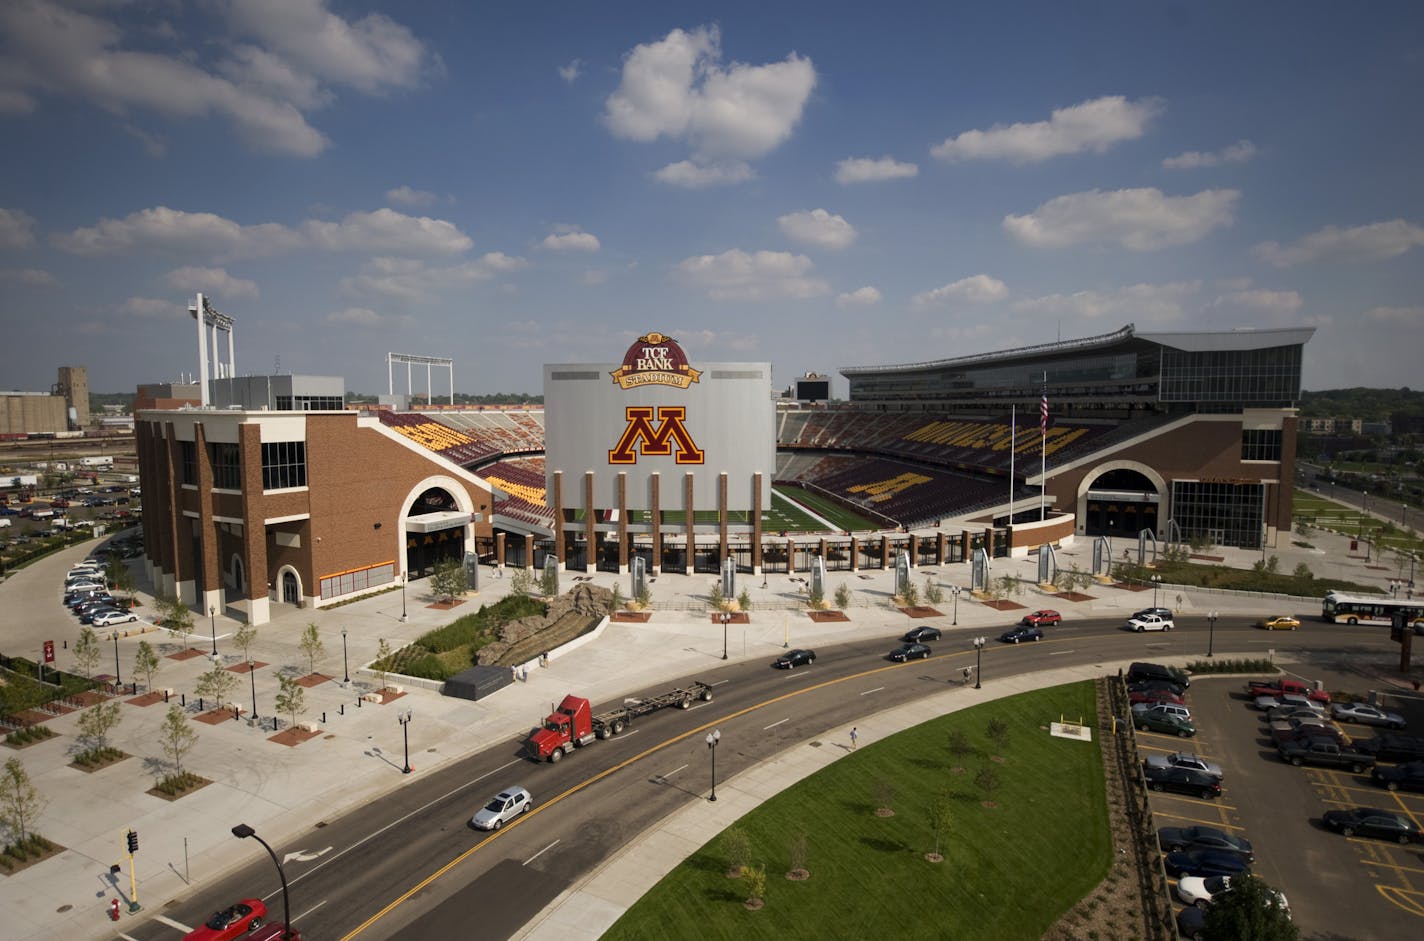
(573, 724)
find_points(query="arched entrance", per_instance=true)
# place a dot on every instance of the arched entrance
(435, 530)
(291, 587)
(1121, 500)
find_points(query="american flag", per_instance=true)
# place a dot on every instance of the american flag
(1043, 412)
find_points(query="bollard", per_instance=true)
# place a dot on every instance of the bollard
(323, 718)
(165, 695)
(200, 704)
(343, 710)
(182, 699)
(358, 702)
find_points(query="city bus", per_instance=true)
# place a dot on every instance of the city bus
(1371, 609)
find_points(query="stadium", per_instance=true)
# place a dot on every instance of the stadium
(273, 492)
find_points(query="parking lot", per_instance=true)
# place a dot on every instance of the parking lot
(1337, 887)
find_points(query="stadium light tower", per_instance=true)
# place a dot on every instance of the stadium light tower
(203, 312)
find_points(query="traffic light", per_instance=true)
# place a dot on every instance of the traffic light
(133, 841)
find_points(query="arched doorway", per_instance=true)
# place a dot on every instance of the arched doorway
(435, 528)
(1121, 501)
(291, 588)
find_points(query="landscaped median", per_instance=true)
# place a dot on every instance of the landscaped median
(1025, 838)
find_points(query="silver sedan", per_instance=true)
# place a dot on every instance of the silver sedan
(1365, 714)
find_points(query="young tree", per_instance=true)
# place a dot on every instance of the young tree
(174, 615)
(215, 684)
(146, 662)
(291, 698)
(756, 884)
(940, 812)
(737, 847)
(1251, 909)
(843, 596)
(933, 593)
(521, 582)
(715, 599)
(549, 581)
(95, 724)
(123, 582)
(798, 852)
(987, 780)
(87, 652)
(243, 640)
(998, 731)
(615, 599)
(448, 581)
(744, 600)
(645, 597)
(177, 737)
(20, 802)
(884, 797)
(312, 646)
(381, 665)
(959, 742)
(911, 595)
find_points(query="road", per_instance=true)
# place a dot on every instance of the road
(409, 866)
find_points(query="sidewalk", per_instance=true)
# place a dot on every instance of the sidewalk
(281, 790)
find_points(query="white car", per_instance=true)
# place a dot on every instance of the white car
(1200, 890)
(1366, 714)
(1150, 622)
(76, 587)
(502, 808)
(110, 618)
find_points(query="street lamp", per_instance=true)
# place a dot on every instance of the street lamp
(725, 618)
(117, 680)
(1156, 580)
(213, 625)
(403, 614)
(252, 675)
(713, 737)
(978, 658)
(1211, 633)
(954, 590)
(345, 661)
(404, 720)
(242, 831)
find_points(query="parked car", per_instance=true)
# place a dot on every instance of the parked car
(1166, 724)
(1167, 685)
(84, 586)
(1306, 734)
(1140, 671)
(1392, 746)
(1153, 612)
(1183, 781)
(1205, 862)
(502, 808)
(794, 658)
(921, 634)
(1366, 714)
(1405, 777)
(1045, 618)
(232, 922)
(1172, 839)
(1199, 891)
(1281, 622)
(1191, 922)
(1282, 713)
(1135, 696)
(1290, 725)
(1185, 759)
(111, 617)
(1371, 821)
(1162, 708)
(1151, 622)
(909, 652)
(1015, 634)
(87, 615)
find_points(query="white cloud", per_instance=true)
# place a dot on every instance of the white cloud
(204, 233)
(818, 228)
(214, 281)
(975, 289)
(406, 196)
(696, 175)
(1141, 303)
(873, 170)
(1136, 219)
(752, 276)
(150, 308)
(28, 277)
(263, 89)
(678, 88)
(1239, 152)
(860, 297)
(365, 317)
(412, 281)
(15, 227)
(572, 71)
(1378, 240)
(1089, 126)
(1277, 302)
(570, 238)
(1401, 316)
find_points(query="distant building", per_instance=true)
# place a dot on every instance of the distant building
(166, 395)
(32, 413)
(73, 385)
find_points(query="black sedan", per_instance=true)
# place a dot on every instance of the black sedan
(794, 658)
(921, 634)
(1183, 781)
(1172, 839)
(1408, 777)
(1015, 634)
(1371, 821)
(909, 652)
(1204, 862)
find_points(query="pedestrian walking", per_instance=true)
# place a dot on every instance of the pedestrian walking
(854, 738)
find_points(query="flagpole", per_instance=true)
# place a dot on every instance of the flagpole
(1013, 427)
(1043, 451)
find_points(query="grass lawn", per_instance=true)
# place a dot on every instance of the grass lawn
(1315, 510)
(1010, 869)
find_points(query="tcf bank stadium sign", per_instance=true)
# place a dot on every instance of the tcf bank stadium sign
(655, 359)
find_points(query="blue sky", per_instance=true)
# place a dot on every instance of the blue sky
(817, 185)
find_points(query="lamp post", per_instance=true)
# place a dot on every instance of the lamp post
(213, 625)
(954, 591)
(117, 680)
(726, 616)
(1156, 580)
(242, 831)
(404, 720)
(403, 614)
(713, 737)
(252, 675)
(345, 661)
(978, 658)
(1211, 633)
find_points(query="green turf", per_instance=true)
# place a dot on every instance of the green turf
(1315, 510)
(1010, 870)
(842, 518)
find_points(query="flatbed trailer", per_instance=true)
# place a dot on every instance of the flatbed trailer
(610, 723)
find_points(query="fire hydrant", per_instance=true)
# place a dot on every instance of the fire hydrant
(113, 909)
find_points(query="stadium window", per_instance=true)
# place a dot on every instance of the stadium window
(1260, 444)
(284, 464)
(227, 466)
(188, 453)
